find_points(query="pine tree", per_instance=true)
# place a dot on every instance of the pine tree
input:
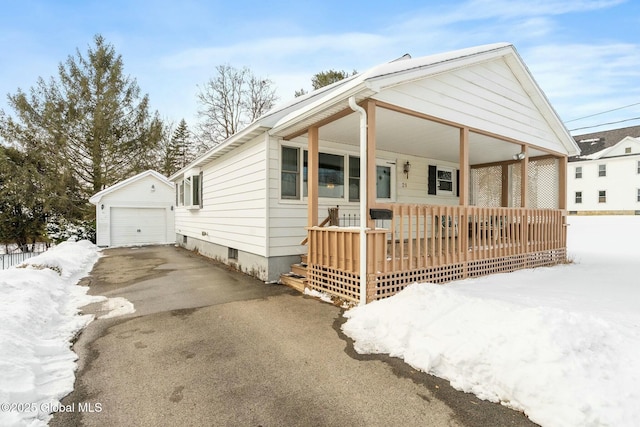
(91, 121)
(325, 78)
(182, 146)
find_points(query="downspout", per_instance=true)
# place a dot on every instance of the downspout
(363, 198)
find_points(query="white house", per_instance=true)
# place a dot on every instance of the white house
(605, 179)
(136, 211)
(435, 154)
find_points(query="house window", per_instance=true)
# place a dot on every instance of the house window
(638, 167)
(338, 176)
(602, 196)
(180, 193)
(627, 150)
(290, 175)
(602, 170)
(578, 196)
(189, 191)
(383, 180)
(445, 181)
(232, 254)
(330, 176)
(196, 188)
(638, 195)
(578, 172)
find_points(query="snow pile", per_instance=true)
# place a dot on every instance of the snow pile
(38, 317)
(558, 343)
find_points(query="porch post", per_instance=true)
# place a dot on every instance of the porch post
(562, 182)
(312, 177)
(464, 167)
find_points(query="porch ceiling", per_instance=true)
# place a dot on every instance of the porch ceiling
(402, 133)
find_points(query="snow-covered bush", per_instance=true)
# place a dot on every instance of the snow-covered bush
(61, 230)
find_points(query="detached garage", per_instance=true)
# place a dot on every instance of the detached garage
(136, 211)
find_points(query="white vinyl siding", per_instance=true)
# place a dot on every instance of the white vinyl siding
(234, 201)
(501, 105)
(288, 218)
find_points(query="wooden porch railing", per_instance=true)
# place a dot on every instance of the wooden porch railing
(428, 238)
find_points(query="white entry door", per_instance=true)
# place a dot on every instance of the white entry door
(138, 226)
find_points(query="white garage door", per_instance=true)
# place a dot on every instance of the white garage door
(138, 226)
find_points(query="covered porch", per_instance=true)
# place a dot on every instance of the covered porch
(453, 165)
(503, 207)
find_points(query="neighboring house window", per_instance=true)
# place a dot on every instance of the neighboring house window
(578, 196)
(602, 170)
(602, 196)
(290, 176)
(638, 167)
(383, 180)
(578, 172)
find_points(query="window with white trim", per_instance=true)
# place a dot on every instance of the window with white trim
(338, 176)
(189, 191)
(578, 172)
(638, 195)
(602, 170)
(602, 196)
(290, 173)
(384, 180)
(578, 197)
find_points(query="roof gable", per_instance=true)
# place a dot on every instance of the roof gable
(95, 199)
(592, 144)
(300, 113)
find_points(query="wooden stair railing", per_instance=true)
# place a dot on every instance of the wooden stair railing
(331, 219)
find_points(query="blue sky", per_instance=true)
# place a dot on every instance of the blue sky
(584, 54)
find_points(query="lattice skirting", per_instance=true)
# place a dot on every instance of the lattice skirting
(336, 282)
(383, 285)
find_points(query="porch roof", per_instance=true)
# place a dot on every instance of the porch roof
(300, 113)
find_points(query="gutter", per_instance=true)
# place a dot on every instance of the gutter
(363, 198)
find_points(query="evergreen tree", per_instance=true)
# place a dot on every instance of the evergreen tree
(182, 146)
(22, 198)
(325, 78)
(91, 124)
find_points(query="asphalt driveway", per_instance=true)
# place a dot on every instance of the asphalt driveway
(209, 346)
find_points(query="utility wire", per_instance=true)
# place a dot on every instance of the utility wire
(603, 112)
(604, 124)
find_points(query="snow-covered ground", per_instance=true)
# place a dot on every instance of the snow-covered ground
(39, 306)
(561, 343)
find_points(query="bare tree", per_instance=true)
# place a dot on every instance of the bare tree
(231, 100)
